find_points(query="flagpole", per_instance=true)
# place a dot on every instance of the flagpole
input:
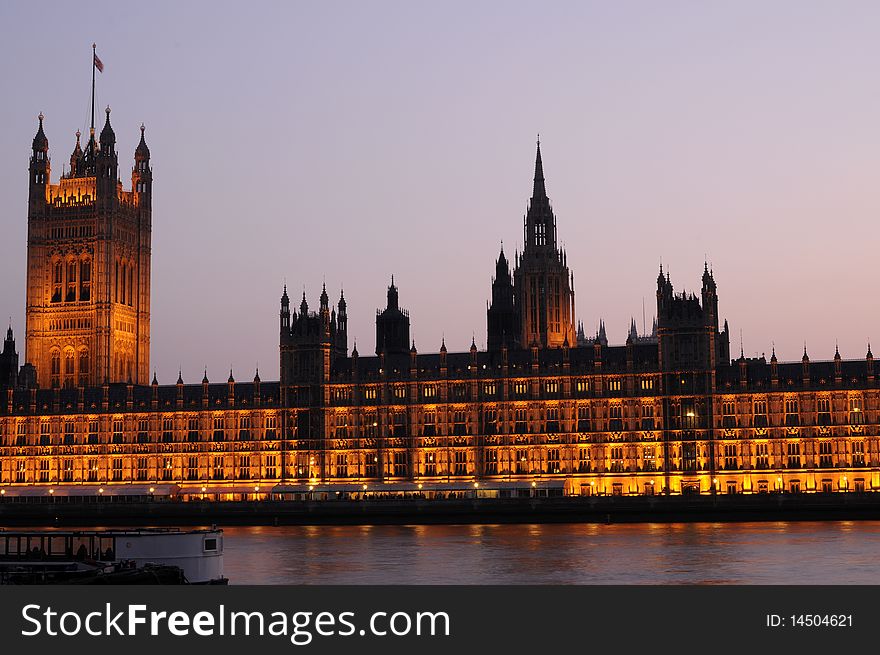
(93, 87)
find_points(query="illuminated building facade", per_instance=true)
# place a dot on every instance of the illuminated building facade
(88, 265)
(540, 409)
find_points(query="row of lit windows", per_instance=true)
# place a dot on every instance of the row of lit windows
(459, 390)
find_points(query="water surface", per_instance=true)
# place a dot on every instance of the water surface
(840, 552)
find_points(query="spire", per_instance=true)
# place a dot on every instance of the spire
(805, 358)
(257, 376)
(773, 356)
(76, 156)
(304, 306)
(155, 381)
(205, 379)
(325, 300)
(231, 379)
(443, 345)
(870, 354)
(392, 295)
(836, 351)
(342, 304)
(41, 143)
(285, 299)
(539, 191)
(179, 376)
(142, 151)
(108, 136)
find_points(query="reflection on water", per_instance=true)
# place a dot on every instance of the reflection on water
(655, 553)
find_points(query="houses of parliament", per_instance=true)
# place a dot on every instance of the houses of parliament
(543, 410)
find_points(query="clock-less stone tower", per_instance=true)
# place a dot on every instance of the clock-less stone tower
(88, 265)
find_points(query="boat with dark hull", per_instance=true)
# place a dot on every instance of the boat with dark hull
(141, 556)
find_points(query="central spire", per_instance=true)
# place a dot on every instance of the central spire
(539, 191)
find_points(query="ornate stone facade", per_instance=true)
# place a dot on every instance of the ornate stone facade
(672, 413)
(88, 266)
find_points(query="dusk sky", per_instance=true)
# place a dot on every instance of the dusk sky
(349, 141)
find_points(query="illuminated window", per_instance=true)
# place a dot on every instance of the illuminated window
(583, 460)
(429, 391)
(649, 459)
(490, 462)
(553, 464)
(167, 468)
(217, 470)
(92, 470)
(614, 385)
(762, 460)
(858, 453)
(856, 415)
(617, 463)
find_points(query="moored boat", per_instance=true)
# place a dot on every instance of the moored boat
(65, 556)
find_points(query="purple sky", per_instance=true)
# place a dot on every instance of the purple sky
(349, 141)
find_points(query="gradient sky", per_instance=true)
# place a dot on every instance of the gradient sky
(346, 141)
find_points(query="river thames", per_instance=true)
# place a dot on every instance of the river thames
(841, 552)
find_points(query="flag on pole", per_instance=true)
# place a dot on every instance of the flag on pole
(99, 64)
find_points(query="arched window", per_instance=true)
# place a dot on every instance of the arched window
(83, 367)
(55, 368)
(68, 369)
(85, 280)
(121, 283)
(57, 281)
(131, 286)
(70, 296)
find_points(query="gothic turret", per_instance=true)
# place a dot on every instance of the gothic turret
(501, 316)
(142, 174)
(392, 325)
(8, 362)
(76, 157)
(39, 168)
